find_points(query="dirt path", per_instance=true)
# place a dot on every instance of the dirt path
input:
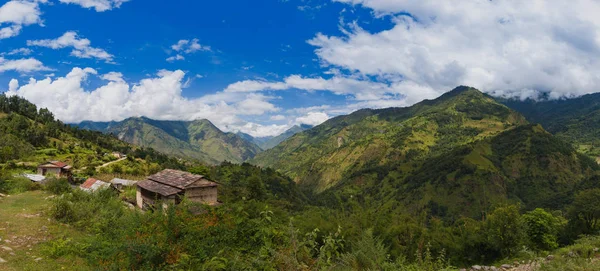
(110, 163)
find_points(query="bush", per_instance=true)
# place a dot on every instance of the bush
(57, 186)
(18, 185)
(542, 228)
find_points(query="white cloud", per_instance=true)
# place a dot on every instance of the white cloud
(508, 47)
(18, 13)
(189, 46)
(98, 5)
(24, 65)
(277, 117)
(20, 51)
(158, 97)
(177, 57)
(81, 47)
(312, 118)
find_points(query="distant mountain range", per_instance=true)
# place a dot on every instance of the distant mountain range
(458, 154)
(198, 139)
(269, 142)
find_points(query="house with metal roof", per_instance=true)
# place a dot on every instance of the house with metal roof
(171, 186)
(56, 168)
(91, 185)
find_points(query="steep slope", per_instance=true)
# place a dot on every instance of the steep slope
(576, 120)
(198, 139)
(525, 165)
(325, 155)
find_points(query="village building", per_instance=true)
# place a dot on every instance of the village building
(119, 184)
(171, 186)
(55, 168)
(91, 185)
(118, 155)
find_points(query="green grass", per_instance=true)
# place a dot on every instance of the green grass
(26, 228)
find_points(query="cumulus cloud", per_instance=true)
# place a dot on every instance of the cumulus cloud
(81, 47)
(24, 65)
(312, 118)
(20, 51)
(98, 5)
(507, 47)
(18, 13)
(393, 93)
(189, 46)
(177, 57)
(158, 97)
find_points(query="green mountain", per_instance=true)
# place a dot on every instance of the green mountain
(269, 142)
(576, 120)
(459, 153)
(198, 139)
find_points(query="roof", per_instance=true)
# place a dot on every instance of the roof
(159, 188)
(34, 177)
(175, 178)
(123, 182)
(169, 182)
(92, 184)
(55, 164)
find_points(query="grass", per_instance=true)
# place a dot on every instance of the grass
(26, 229)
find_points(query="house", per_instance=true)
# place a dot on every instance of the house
(56, 168)
(118, 155)
(91, 185)
(170, 186)
(120, 183)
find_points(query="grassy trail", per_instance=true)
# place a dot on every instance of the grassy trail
(25, 229)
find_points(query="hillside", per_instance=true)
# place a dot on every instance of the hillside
(576, 120)
(322, 156)
(198, 139)
(458, 154)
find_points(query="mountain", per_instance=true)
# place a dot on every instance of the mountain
(459, 154)
(274, 141)
(323, 155)
(198, 139)
(576, 120)
(269, 142)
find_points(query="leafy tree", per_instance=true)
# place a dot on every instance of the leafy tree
(504, 230)
(586, 208)
(542, 229)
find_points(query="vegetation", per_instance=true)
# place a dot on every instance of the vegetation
(198, 140)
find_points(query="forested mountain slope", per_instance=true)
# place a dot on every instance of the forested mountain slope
(198, 139)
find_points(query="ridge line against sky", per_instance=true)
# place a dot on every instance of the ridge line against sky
(260, 68)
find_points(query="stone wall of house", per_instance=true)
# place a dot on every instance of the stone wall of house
(202, 194)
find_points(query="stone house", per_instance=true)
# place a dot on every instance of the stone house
(171, 186)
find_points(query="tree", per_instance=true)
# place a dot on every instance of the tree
(256, 188)
(504, 229)
(586, 208)
(542, 229)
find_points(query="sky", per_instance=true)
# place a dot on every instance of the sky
(260, 67)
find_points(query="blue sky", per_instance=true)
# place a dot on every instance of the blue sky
(263, 66)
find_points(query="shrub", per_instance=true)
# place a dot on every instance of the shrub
(57, 186)
(18, 185)
(542, 229)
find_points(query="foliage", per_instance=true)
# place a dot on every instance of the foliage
(586, 209)
(542, 228)
(197, 140)
(57, 186)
